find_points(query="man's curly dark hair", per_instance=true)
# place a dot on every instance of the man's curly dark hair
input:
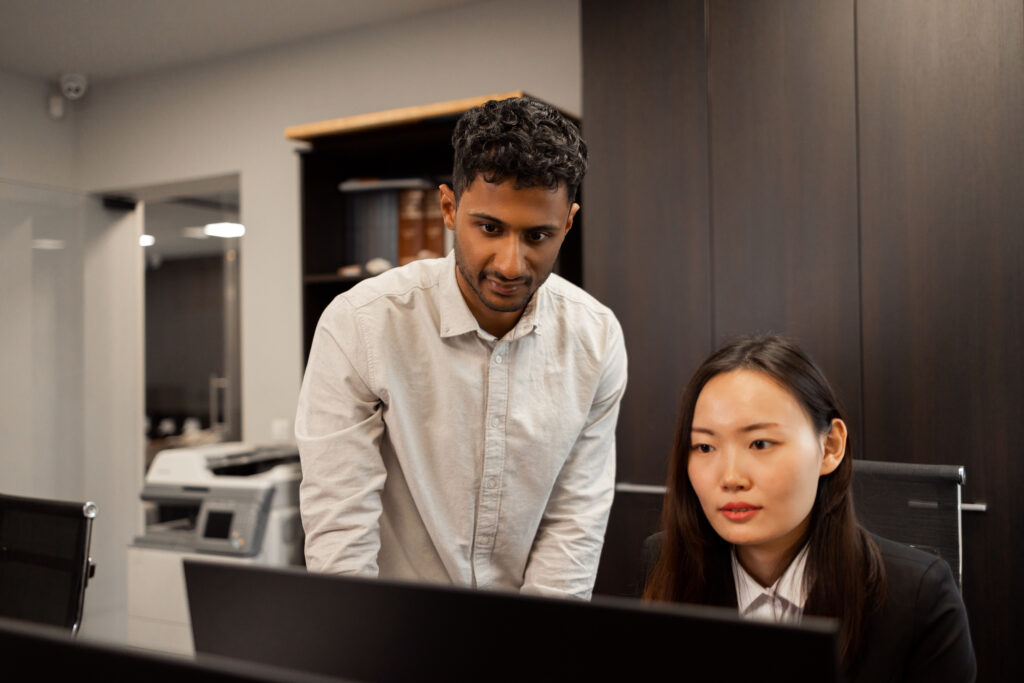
(519, 138)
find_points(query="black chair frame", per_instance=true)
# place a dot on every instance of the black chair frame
(44, 559)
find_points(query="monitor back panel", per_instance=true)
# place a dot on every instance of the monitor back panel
(376, 630)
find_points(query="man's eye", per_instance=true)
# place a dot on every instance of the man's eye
(539, 236)
(703, 447)
(760, 444)
(489, 228)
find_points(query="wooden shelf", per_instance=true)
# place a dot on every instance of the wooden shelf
(331, 278)
(391, 117)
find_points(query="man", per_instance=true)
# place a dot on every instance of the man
(456, 422)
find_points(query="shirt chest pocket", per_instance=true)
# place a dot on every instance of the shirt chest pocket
(549, 402)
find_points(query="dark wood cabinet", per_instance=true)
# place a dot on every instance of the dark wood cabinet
(649, 258)
(413, 142)
(941, 108)
(851, 174)
(783, 141)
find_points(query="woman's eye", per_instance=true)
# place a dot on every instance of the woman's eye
(703, 448)
(760, 444)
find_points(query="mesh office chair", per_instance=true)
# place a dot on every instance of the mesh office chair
(918, 505)
(44, 559)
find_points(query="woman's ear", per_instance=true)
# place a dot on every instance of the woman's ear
(834, 447)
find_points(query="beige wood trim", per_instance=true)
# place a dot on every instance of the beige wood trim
(390, 117)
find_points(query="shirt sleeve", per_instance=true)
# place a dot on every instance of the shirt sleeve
(567, 548)
(338, 428)
(941, 648)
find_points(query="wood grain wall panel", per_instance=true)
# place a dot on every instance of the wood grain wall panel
(941, 109)
(646, 240)
(634, 517)
(784, 180)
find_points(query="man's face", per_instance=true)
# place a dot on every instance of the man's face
(506, 243)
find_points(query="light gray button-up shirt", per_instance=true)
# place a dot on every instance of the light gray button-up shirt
(433, 451)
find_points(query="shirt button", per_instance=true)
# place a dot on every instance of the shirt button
(497, 359)
(492, 482)
(495, 422)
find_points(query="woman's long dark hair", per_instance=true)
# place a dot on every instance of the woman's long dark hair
(844, 572)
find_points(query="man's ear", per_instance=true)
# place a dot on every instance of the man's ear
(447, 199)
(835, 447)
(572, 214)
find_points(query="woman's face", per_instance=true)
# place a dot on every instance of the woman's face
(754, 462)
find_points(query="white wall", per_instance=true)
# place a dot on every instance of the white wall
(229, 116)
(41, 391)
(34, 148)
(112, 429)
(16, 343)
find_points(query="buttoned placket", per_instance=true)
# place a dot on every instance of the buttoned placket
(495, 423)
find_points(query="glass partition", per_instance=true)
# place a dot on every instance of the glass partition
(71, 378)
(41, 337)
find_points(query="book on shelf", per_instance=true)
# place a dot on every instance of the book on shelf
(433, 226)
(370, 227)
(410, 224)
(396, 219)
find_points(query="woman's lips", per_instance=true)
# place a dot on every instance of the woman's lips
(738, 512)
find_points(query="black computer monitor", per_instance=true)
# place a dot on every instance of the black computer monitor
(48, 653)
(378, 630)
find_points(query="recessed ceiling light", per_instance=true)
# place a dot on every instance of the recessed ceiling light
(225, 230)
(146, 240)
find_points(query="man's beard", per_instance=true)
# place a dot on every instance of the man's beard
(474, 284)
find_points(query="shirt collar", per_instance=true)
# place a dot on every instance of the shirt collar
(530, 320)
(789, 587)
(458, 319)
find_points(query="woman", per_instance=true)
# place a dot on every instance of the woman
(758, 515)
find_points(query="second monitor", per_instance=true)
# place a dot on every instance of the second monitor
(377, 630)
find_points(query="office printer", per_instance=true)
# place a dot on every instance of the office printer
(230, 498)
(230, 502)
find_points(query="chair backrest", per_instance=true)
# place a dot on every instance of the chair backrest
(918, 505)
(44, 559)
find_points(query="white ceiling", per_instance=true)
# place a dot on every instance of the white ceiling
(107, 39)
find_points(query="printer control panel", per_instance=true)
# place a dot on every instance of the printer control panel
(231, 526)
(209, 519)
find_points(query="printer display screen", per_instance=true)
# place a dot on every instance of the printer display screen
(218, 524)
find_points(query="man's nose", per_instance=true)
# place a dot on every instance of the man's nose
(508, 258)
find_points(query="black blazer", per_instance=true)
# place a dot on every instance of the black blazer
(919, 634)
